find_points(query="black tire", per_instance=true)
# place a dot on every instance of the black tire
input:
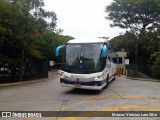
(107, 79)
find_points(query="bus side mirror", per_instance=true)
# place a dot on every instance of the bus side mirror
(104, 51)
(58, 48)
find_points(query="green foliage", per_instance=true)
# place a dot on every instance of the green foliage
(126, 42)
(143, 19)
(26, 33)
(52, 40)
(156, 65)
(138, 15)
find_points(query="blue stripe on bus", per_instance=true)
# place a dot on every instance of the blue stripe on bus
(92, 83)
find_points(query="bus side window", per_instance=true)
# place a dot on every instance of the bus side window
(109, 62)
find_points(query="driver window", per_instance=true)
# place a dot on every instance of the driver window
(108, 62)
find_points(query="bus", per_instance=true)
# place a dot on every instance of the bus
(88, 63)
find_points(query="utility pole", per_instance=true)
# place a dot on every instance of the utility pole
(136, 57)
(21, 67)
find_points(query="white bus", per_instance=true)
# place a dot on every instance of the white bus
(87, 64)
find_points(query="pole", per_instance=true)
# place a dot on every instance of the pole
(136, 58)
(22, 57)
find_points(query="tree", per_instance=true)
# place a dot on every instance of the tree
(126, 42)
(142, 18)
(59, 31)
(34, 8)
(156, 65)
(137, 15)
(21, 32)
(27, 35)
(52, 40)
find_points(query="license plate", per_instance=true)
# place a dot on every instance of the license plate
(77, 84)
(77, 76)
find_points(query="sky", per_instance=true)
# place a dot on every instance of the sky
(83, 18)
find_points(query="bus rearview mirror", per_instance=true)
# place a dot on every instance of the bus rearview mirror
(58, 49)
(104, 51)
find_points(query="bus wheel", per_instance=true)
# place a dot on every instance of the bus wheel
(106, 81)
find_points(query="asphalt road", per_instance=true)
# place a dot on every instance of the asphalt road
(121, 95)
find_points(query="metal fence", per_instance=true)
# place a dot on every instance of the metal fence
(134, 70)
(37, 69)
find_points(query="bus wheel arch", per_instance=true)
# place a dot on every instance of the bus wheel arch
(114, 76)
(106, 81)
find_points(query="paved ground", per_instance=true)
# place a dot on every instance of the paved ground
(121, 95)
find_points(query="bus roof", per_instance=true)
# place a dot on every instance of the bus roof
(88, 40)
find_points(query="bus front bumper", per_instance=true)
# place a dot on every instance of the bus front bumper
(93, 85)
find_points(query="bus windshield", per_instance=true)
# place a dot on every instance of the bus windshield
(82, 58)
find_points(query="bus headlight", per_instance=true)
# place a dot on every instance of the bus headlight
(95, 78)
(98, 77)
(61, 74)
(65, 77)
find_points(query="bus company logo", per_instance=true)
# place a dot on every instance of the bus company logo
(77, 76)
(77, 79)
(6, 114)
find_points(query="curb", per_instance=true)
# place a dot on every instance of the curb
(141, 79)
(26, 82)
